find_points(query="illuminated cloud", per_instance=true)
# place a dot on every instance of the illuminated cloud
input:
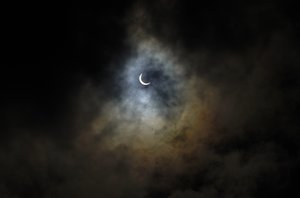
(218, 119)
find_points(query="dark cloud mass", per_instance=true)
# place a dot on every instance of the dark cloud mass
(219, 119)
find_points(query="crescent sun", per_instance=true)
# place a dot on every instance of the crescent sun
(141, 81)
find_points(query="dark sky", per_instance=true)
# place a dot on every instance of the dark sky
(219, 119)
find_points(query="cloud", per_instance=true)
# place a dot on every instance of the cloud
(219, 119)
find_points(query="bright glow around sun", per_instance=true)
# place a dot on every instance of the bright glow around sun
(148, 103)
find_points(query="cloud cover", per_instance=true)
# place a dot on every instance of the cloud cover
(219, 119)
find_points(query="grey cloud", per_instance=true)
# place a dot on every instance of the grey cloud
(223, 122)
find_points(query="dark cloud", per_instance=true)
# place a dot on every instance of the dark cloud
(220, 118)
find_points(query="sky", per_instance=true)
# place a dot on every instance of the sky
(220, 117)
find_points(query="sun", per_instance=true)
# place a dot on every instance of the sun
(142, 82)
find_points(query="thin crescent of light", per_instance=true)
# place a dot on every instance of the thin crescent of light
(141, 81)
